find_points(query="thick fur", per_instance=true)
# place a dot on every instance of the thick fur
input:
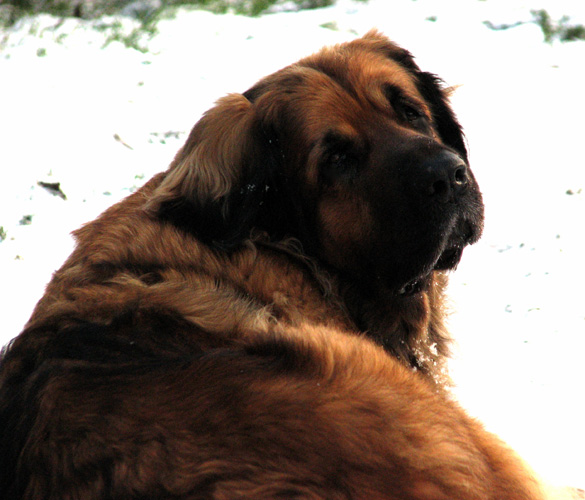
(265, 319)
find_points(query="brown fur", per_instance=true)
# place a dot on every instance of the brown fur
(265, 319)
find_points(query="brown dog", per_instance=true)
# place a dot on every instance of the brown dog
(265, 319)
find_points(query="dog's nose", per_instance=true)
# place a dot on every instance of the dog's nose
(446, 176)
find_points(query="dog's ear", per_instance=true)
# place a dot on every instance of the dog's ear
(437, 96)
(214, 186)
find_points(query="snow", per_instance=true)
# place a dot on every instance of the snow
(100, 119)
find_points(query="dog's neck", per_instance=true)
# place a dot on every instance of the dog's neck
(277, 282)
(304, 292)
(398, 322)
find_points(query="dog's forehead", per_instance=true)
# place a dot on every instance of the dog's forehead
(340, 88)
(345, 88)
(370, 71)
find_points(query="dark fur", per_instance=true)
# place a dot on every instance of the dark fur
(265, 319)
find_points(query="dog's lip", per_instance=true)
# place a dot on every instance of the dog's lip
(413, 287)
(451, 251)
(448, 260)
(466, 234)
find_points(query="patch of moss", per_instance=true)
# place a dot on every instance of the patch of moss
(552, 30)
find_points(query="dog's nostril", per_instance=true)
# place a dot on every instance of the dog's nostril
(460, 177)
(446, 176)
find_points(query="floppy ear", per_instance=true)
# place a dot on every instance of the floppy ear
(432, 89)
(214, 186)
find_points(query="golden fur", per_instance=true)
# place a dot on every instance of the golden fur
(265, 319)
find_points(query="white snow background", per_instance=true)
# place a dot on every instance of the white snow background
(101, 120)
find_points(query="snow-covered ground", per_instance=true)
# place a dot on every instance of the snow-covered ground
(101, 120)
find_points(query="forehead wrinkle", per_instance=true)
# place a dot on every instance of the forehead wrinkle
(372, 72)
(329, 107)
(324, 99)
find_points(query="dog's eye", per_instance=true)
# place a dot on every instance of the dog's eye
(340, 162)
(412, 114)
(341, 156)
(405, 108)
(338, 159)
(339, 165)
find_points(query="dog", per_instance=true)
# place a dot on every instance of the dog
(265, 319)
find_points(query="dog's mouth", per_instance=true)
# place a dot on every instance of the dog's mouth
(446, 262)
(449, 259)
(414, 287)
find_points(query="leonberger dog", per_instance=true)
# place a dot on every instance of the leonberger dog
(265, 319)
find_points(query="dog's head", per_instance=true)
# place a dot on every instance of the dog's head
(354, 151)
